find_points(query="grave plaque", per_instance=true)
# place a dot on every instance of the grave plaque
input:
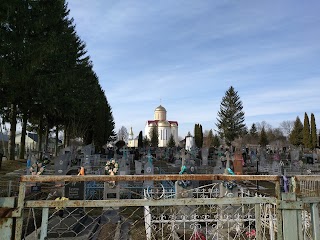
(36, 188)
(74, 190)
(62, 163)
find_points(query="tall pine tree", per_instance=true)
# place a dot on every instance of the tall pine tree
(198, 135)
(313, 132)
(306, 132)
(140, 140)
(231, 116)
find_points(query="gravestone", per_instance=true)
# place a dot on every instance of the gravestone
(275, 168)
(294, 155)
(204, 155)
(88, 149)
(61, 164)
(218, 168)
(183, 157)
(263, 156)
(148, 170)
(238, 163)
(138, 167)
(74, 191)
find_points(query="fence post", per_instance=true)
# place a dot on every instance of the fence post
(315, 221)
(291, 208)
(257, 213)
(279, 212)
(44, 223)
(19, 210)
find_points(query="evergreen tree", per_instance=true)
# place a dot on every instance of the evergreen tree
(216, 141)
(306, 132)
(263, 141)
(146, 141)
(171, 142)
(231, 116)
(154, 137)
(296, 135)
(140, 140)
(198, 135)
(253, 130)
(46, 73)
(209, 141)
(313, 132)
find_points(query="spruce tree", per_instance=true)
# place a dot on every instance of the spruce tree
(146, 141)
(313, 132)
(154, 136)
(253, 130)
(263, 141)
(306, 132)
(296, 135)
(231, 116)
(171, 142)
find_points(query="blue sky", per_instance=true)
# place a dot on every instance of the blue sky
(188, 53)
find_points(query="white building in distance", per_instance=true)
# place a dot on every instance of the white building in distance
(132, 142)
(165, 127)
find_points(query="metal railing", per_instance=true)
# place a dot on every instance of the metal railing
(200, 212)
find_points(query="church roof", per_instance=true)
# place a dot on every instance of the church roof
(156, 122)
(160, 108)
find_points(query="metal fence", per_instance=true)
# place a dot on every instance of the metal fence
(217, 208)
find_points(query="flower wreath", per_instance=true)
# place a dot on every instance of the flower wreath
(111, 168)
(184, 183)
(37, 169)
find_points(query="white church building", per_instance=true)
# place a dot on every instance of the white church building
(165, 127)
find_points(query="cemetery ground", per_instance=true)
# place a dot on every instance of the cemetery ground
(8, 166)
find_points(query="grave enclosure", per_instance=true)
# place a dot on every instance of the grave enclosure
(161, 206)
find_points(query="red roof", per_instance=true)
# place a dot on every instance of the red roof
(156, 122)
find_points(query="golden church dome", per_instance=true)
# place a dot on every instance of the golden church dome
(160, 108)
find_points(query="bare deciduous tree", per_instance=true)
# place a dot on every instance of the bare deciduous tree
(286, 127)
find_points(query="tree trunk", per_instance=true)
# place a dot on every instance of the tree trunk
(57, 141)
(47, 138)
(40, 133)
(13, 127)
(65, 136)
(23, 136)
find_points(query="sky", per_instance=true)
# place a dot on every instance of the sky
(185, 54)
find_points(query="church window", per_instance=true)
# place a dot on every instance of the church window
(160, 134)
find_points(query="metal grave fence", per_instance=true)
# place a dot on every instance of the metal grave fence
(212, 210)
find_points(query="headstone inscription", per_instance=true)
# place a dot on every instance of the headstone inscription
(74, 190)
